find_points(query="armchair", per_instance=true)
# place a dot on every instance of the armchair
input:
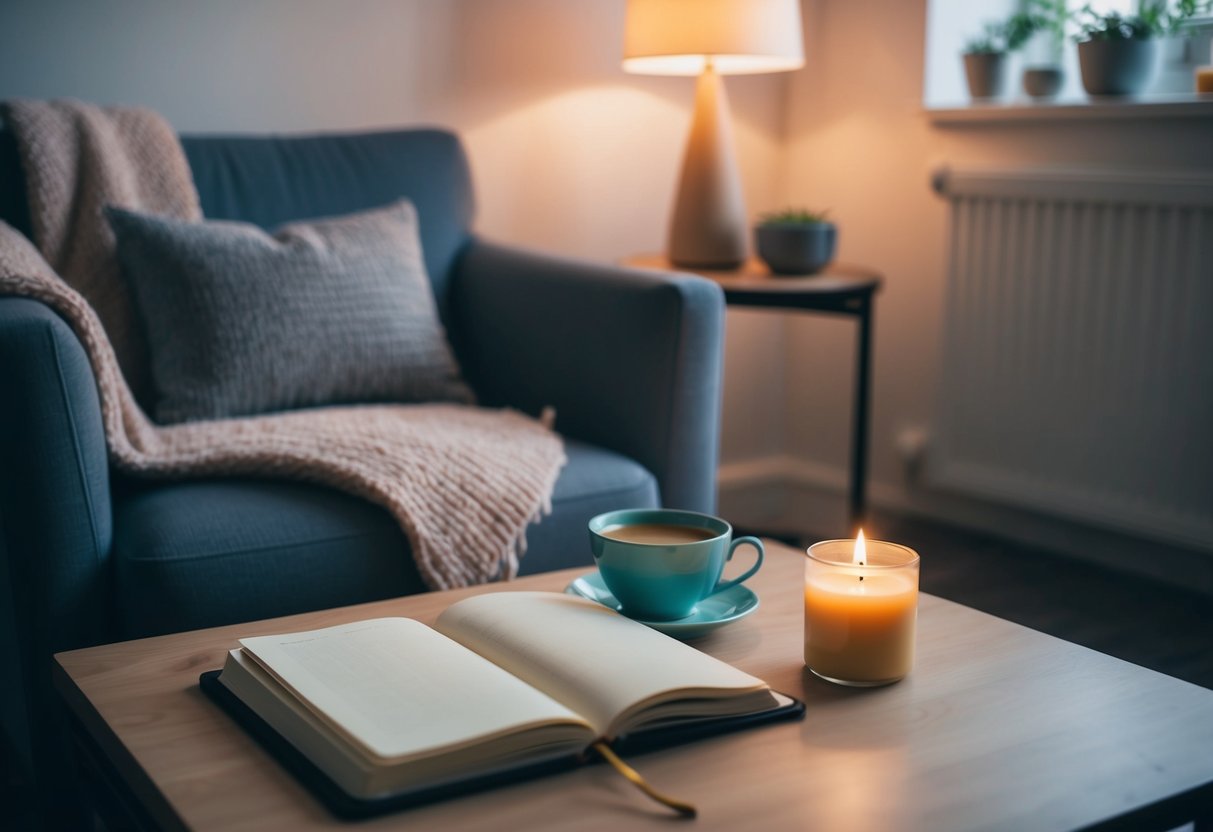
(631, 361)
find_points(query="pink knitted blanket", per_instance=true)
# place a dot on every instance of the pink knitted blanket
(462, 482)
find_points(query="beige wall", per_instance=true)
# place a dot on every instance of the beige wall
(570, 153)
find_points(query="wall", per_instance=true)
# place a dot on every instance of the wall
(569, 153)
(860, 143)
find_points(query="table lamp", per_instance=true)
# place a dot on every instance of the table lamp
(710, 38)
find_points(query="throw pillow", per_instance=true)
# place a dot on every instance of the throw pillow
(328, 311)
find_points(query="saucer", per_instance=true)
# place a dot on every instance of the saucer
(725, 607)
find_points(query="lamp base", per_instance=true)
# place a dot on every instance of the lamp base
(708, 227)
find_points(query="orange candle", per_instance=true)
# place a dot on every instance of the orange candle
(1204, 79)
(860, 611)
(1204, 75)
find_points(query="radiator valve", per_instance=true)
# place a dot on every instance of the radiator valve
(912, 447)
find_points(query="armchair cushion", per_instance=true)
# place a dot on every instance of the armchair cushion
(324, 312)
(271, 180)
(204, 553)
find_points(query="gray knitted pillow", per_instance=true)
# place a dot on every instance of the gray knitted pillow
(327, 311)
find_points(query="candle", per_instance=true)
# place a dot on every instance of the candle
(860, 611)
(1204, 79)
(1204, 75)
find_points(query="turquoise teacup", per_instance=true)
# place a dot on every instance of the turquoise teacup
(659, 563)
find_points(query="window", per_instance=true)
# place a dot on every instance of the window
(952, 23)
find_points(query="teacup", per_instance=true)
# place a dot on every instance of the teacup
(660, 563)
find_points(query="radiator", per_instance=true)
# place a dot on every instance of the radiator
(1077, 366)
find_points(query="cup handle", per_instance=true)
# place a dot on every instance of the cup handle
(757, 544)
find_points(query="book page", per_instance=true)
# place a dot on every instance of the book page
(599, 663)
(358, 774)
(396, 688)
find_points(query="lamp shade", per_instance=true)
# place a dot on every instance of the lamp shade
(677, 37)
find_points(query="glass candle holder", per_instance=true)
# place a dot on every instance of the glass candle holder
(860, 611)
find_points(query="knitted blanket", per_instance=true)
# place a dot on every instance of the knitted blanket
(462, 482)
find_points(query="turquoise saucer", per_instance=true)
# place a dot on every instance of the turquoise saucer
(725, 607)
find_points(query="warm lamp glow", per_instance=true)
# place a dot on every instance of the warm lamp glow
(677, 37)
(710, 38)
(724, 64)
(861, 550)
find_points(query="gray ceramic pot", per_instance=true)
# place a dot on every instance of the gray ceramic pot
(796, 248)
(1117, 67)
(986, 73)
(1042, 81)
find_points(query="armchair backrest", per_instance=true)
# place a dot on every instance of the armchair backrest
(269, 180)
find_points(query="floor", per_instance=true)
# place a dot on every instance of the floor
(1136, 620)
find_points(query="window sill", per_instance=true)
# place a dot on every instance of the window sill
(1180, 105)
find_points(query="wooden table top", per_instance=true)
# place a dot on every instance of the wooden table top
(997, 727)
(754, 276)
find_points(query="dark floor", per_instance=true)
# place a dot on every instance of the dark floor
(1135, 619)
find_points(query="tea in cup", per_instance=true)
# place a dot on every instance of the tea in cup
(660, 563)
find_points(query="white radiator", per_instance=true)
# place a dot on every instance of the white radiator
(1077, 373)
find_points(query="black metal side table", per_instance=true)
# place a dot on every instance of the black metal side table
(840, 290)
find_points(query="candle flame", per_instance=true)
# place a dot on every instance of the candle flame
(861, 550)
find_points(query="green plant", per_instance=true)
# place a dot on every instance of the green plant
(794, 216)
(1019, 27)
(1011, 34)
(1114, 26)
(991, 41)
(1049, 16)
(1153, 19)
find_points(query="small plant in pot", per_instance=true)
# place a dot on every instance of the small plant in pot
(796, 241)
(985, 61)
(985, 56)
(1117, 54)
(1042, 72)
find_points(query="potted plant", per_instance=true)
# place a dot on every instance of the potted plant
(985, 60)
(1042, 73)
(1117, 54)
(796, 240)
(985, 56)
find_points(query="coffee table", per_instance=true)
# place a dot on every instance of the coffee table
(997, 727)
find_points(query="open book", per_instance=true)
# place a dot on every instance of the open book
(505, 680)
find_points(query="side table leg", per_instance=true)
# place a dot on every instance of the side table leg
(859, 435)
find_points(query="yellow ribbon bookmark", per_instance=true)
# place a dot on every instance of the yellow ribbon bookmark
(686, 810)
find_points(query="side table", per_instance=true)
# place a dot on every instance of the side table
(840, 290)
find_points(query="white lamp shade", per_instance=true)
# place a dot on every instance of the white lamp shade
(676, 37)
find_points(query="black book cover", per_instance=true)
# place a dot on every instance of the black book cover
(344, 805)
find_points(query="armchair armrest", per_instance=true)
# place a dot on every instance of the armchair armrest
(630, 359)
(55, 519)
